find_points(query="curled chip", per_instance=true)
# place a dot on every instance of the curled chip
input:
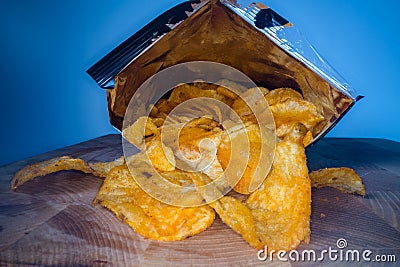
(282, 205)
(147, 216)
(46, 167)
(292, 111)
(64, 163)
(343, 179)
(281, 95)
(238, 216)
(234, 213)
(101, 169)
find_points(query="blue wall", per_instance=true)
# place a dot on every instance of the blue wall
(48, 101)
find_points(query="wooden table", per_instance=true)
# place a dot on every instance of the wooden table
(51, 220)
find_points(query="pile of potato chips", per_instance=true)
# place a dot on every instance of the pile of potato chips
(271, 202)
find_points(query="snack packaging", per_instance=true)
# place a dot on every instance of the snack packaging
(248, 36)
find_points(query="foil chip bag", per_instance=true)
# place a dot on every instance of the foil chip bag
(248, 36)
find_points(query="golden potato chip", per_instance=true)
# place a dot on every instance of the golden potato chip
(46, 167)
(200, 153)
(161, 156)
(224, 156)
(308, 138)
(163, 107)
(153, 111)
(253, 172)
(140, 129)
(249, 103)
(233, 213)
(101, 169)
(343, 179)
(226, 92)
(191, 137)
(64, 163)
(158, 121)
(243, 186)
(237, 216)
(184, 92)
(233, 86)
(282, 205)
(280, 95)
(178, 177)
(240, 105)
(204, 85)
(291, 111)
(161, 115)
(147, 216)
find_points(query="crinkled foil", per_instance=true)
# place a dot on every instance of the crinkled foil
(249, 37)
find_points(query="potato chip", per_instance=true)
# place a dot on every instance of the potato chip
(46, 167)
(281, 95)
(64, 163)
(224, 156)
(237, 216)
(308, 138)
(296, 110)
(233, 213)
(161, 156)
(153, 111)
(343, 179)
(204, 85)
(232, 86)
(159, 122)
(141, 128)
(282, 205)
(291, 111)
(252, 173)
(147, 216)
(163, 107)
(178, 177)
(226, 92)
(243, 186)
(198, 149)
(240, 105)
(251, 102)
(101, 169)
(185, 92)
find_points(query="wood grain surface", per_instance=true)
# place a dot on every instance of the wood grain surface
(51, 221)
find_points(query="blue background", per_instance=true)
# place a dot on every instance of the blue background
(48, 101)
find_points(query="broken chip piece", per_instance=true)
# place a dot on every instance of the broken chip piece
(343, 179)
